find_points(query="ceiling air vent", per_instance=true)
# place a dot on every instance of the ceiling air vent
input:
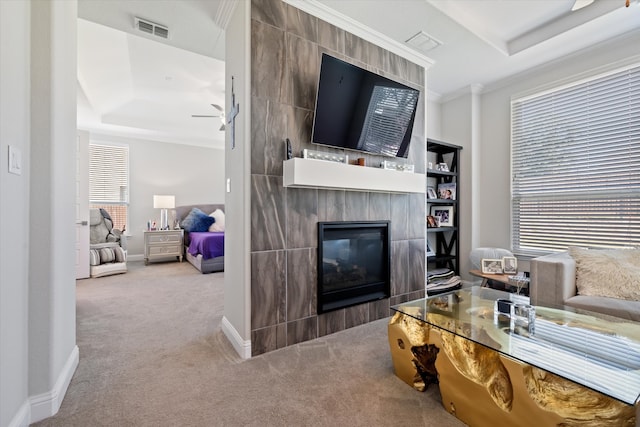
(152, 28)
(423, 42)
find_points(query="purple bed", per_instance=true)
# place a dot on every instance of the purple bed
(210, 244)
(204, 250)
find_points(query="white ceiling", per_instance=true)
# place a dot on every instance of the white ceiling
(133, 84)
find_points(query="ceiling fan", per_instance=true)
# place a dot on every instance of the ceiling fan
(579, 4)
(221, 115)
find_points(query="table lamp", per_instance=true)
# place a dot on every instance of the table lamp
(163, 203)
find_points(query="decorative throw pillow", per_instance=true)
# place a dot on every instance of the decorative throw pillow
(218, 215)
(611, 273)
(197, 220)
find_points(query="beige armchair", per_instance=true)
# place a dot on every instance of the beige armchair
(107, 252)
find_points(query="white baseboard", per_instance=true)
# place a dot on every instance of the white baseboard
(21, 419)
(242, 347)
(47, 404)
(138, 257)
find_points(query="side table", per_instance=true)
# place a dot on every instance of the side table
(503, 279)
(163, 244)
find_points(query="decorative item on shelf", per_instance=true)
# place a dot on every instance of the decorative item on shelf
(444, 214)
(163, 203)
(289, 149)
(430, 165)
(447, 190)
(491, 266)
(430, 252)
(431, 193)
(431, 221)
(361, 161)
(389, 165)
(329, 157)
(520, 281)
(509, 265)
(442, 167)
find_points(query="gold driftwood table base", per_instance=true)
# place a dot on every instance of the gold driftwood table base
(481, 387)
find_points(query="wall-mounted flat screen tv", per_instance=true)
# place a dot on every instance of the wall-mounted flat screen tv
(360, 110)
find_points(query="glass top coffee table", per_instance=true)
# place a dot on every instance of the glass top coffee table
(595, 351)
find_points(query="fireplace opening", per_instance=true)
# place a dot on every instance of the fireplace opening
(353, 263)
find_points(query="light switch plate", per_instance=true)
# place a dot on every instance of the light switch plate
(15, 160)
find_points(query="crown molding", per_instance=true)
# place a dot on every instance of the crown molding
(319, 10)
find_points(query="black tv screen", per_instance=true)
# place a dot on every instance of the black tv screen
(360, 110)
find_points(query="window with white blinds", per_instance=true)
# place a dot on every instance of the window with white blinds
(109, 180)
(576, 165)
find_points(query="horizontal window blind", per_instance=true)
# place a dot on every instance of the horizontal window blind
(108, 174)
(109, 181)
(576, 165)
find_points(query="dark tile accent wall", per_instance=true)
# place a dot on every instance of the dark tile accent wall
(286, 47)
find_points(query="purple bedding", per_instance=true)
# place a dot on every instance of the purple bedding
(208, 243)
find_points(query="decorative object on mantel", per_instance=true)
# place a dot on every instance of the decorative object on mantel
(289, 149)
(163, 203)
(330, 157)
(389, 165)
(231, 117)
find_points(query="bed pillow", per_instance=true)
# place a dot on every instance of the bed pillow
(197, 220)
(613, 273)
(218, 225)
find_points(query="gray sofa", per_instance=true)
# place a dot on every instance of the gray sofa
(553, 283)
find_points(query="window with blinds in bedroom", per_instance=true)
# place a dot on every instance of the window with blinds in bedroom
(109, 181)
(576, 165)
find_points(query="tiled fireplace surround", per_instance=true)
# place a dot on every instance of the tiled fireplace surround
(286, 47)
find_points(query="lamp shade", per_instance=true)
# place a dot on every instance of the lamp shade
(164, 202)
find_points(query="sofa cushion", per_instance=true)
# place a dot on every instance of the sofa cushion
(94, 257)
(611, 306)
(120, 254)
(611, 273)
(107, 255)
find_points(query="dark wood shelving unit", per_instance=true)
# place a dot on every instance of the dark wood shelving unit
(447, 245)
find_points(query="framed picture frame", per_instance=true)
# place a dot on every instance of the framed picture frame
(442, 167)
(431, 221)
(491, 266)
(447, 190)
(431, 193)
(430, 251)
(444, 215)
(509, 265)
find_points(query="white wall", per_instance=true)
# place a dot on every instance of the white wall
(195, 175)
(14, 211)
(53, 354)
(456, 128)
(491, 165)
(38, 354)
(237, 284)
(433, 118)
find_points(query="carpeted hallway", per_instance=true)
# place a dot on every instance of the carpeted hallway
(152, 354)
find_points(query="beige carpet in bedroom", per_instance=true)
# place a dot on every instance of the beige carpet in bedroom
(152, 354)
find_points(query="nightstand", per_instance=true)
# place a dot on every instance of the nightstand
(163, 244)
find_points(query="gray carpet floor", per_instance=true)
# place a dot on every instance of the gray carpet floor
(152, 354)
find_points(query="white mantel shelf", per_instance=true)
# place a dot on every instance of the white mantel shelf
(312, 173)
